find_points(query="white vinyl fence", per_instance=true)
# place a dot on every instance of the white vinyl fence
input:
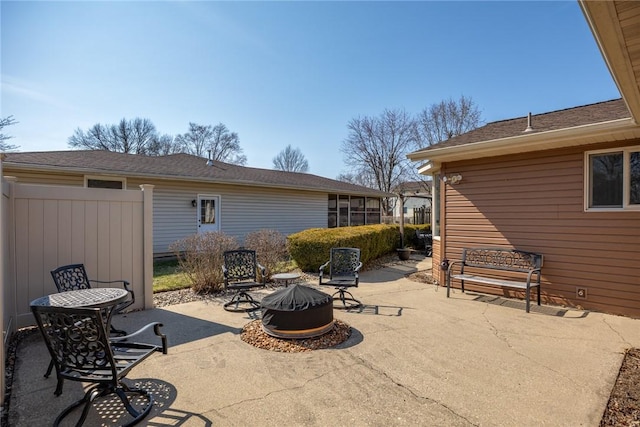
(43, 227)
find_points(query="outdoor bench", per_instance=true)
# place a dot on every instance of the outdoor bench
(488, 263)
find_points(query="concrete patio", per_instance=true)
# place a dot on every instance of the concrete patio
(414, 358)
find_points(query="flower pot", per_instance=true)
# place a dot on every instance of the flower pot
(404, 253)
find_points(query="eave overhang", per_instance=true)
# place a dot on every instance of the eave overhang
(614, 25)
(615, 130)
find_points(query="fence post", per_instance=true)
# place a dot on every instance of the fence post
(147, 227)
(3, 266)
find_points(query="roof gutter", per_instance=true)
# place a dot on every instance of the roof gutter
(568, 137)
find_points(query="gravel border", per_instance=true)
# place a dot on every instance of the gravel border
(253, 334)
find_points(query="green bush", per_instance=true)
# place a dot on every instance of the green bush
(200, 258)
(311, 248)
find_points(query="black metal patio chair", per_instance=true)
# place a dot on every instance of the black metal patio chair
(240, 271)
(74, 277)
(344, 266)
(82, 350)
(426, 240)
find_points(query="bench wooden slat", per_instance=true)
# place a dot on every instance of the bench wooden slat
(493, 281)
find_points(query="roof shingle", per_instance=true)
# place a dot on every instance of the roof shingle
(555, 120)
(179, 166)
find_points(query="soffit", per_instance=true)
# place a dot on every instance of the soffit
(616, 28)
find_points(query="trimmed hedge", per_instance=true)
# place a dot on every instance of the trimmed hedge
(311, 248)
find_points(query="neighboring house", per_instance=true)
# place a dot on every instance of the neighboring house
(417, 201)
(565, 184)
(192, 196)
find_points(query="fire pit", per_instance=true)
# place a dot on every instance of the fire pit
(297, 311)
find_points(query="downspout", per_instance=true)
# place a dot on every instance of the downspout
(443, 227)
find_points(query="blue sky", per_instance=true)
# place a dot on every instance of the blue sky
(281, 73)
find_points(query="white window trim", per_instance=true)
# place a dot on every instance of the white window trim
(626, 179)
(105, 178)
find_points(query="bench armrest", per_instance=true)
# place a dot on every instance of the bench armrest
(450, 271)
(451, 264)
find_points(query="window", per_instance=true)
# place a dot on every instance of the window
(613, 179)
(333, 211)
(207, 211)
(357, 211)
(345, 211)
(95, 182)
(373, 211)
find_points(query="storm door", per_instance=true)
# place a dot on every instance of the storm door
(208, 213)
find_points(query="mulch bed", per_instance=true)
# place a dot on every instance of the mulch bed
(623, 408)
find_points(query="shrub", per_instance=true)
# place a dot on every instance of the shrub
(200, 258)
(311, 248)
(271, 249)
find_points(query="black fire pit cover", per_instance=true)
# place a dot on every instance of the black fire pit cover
(294, 298)
(297, 311)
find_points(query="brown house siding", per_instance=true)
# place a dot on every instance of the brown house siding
(535, 202)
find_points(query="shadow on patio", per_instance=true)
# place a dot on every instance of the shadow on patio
(444, 361)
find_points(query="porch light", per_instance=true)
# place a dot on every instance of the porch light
(452, 179)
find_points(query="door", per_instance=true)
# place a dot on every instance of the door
(208, 213)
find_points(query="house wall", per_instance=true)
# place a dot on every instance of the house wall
(243, 208)
(411, 203)
(535, 202)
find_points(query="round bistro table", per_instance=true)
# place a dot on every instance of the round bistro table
(285, 278)
(93, 297)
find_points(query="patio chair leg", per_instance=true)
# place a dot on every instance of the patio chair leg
(245, 299)
(122, 394)
(348, 302)
(49, 369)
(58, 391)
(101, 390)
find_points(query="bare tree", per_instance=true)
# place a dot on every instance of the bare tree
(447, 119)
(6, 121)
(196, 140)
(377, 147)
(291, 160)
(363, 178)
(224, 145)
(163, 145)
(128, 136)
